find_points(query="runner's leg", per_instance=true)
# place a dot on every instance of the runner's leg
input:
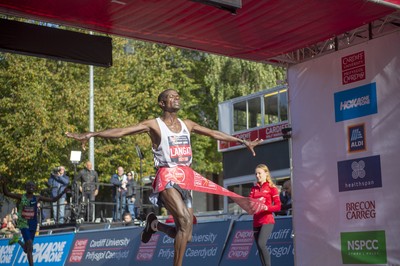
(183, 218)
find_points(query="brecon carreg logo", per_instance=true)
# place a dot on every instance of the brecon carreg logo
(357, 102)
(360, 173)
(356, 141)
(360, 210)
(368, 247)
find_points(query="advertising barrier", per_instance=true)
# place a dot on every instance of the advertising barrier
(8, 253)
(213, 243)
(49, 250)
(105, 247)
(241, 247)
(206, 246)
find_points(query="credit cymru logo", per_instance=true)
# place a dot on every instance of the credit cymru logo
(357, 102)
(361, 173)
(368, 247)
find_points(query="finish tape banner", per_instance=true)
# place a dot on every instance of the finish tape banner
(189, 179)
(206, 247)
(104, 247)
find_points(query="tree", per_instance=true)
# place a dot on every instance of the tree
(42, 99)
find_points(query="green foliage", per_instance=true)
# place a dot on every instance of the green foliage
(42, 99)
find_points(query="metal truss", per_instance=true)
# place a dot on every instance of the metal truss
(375, 29)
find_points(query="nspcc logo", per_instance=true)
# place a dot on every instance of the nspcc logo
(358, 102)
(356, 138)
(361, 173)
(363, 247)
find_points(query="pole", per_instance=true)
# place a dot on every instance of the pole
(141, 157)
(91, 116)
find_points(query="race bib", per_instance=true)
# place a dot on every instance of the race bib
(28, 212)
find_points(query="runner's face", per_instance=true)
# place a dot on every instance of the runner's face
(172, 101)
(30, 187)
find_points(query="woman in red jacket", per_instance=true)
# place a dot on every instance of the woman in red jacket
(267, 193)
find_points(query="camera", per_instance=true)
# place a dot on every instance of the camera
(56, 170)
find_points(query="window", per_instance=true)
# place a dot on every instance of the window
(240, 116)
(260, 110)
(271, 108)
(255, 117)
(283, 105)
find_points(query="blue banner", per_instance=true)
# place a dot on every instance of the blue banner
(8, 253)
(241, 247)
(356, 102)
(206, 246)
(51, 250)
(104, 247)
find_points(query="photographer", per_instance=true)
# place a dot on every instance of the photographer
(58, 181)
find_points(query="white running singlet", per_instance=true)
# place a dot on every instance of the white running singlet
(174, 148)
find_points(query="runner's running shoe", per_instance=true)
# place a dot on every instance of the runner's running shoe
(148, 231)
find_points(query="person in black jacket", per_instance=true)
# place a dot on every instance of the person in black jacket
(88, 180)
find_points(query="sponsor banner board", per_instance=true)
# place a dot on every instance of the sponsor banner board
(47, 250)
(206, 246)
(8, 253)
(105, 247)
(241, 247)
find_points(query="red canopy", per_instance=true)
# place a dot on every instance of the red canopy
(261, 29)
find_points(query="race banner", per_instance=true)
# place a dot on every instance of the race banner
(105, 247)
(206, 247)
(8, 253)
(241, 248)
(51, 250)
(189, 179)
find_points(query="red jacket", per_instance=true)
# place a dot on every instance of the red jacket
(269, 196)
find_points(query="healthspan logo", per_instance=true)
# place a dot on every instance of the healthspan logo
(357, 102)
(360, 173)
(368, 247)
(356, 141)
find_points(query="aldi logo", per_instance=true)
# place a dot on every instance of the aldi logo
(361, 173)
(357, 102)
(356, 138)
(367, 247)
